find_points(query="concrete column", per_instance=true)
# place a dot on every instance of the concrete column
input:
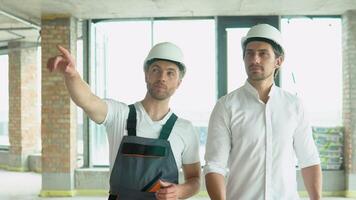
(24, 104)
(58, 112)
(349, 98)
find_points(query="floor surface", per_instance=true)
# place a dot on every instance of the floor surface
(27, 186)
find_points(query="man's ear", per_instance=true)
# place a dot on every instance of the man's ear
(279, 62)
(179, 82)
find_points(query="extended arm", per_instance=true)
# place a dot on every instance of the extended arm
(312, 177)
(78, 89)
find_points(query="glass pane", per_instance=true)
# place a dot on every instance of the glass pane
(80, 145)
(236, 73)
(39, 91)
(312, 68)
(99, 149)
(196, 96)
(4, 100)
(120, 50)
(127, 44)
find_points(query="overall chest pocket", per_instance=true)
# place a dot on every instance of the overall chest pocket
(141, 150)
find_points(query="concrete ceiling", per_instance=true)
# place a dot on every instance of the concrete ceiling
(20, 19)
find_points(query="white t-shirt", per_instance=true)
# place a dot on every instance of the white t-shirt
(184, 138)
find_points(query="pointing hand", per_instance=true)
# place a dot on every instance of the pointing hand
(64, 63)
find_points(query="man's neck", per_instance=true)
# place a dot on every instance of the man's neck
(156, 109)
(263, 88)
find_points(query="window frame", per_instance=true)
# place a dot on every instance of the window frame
(4, 51)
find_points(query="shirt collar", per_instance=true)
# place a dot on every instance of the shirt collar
(249, 88)
(161, 122)
(273, 90)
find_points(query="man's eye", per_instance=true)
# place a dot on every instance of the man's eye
(264, 54)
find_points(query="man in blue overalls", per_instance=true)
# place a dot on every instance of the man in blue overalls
(148, 142)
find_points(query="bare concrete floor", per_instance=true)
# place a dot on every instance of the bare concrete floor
(27, 186)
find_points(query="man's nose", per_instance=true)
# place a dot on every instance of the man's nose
(256, 58)
(163, 76)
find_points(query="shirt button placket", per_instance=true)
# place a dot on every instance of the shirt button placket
(268, 175)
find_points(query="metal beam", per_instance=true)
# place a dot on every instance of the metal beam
(17, 29)
(24, 21)
(18, 37)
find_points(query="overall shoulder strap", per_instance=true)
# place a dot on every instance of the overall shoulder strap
(167, 127)
(131, 121)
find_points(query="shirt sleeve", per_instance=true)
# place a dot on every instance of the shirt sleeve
(191, 153)
(109, 115)
(218, 143)
(117, 111)
(304, 145)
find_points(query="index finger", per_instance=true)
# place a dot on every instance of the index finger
(64, 51)
(164, 184)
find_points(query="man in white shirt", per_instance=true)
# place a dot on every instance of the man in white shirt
(148, 144)
(256, 131)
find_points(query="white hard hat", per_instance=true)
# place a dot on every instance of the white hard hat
(264, 31)
(166, 51)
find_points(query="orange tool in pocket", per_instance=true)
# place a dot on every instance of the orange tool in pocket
(153, 185)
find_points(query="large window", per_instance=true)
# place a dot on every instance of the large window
(121, 48)
(312, 68)
(4, 100)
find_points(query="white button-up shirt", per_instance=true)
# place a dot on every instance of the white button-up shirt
(258, 144)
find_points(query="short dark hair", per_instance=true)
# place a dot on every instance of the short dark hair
(277, 49)
(181, 67)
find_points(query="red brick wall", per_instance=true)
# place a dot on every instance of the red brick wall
(58, 111)
(24, 105)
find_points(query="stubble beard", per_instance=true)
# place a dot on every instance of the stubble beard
(260, 76)
(159, 95)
